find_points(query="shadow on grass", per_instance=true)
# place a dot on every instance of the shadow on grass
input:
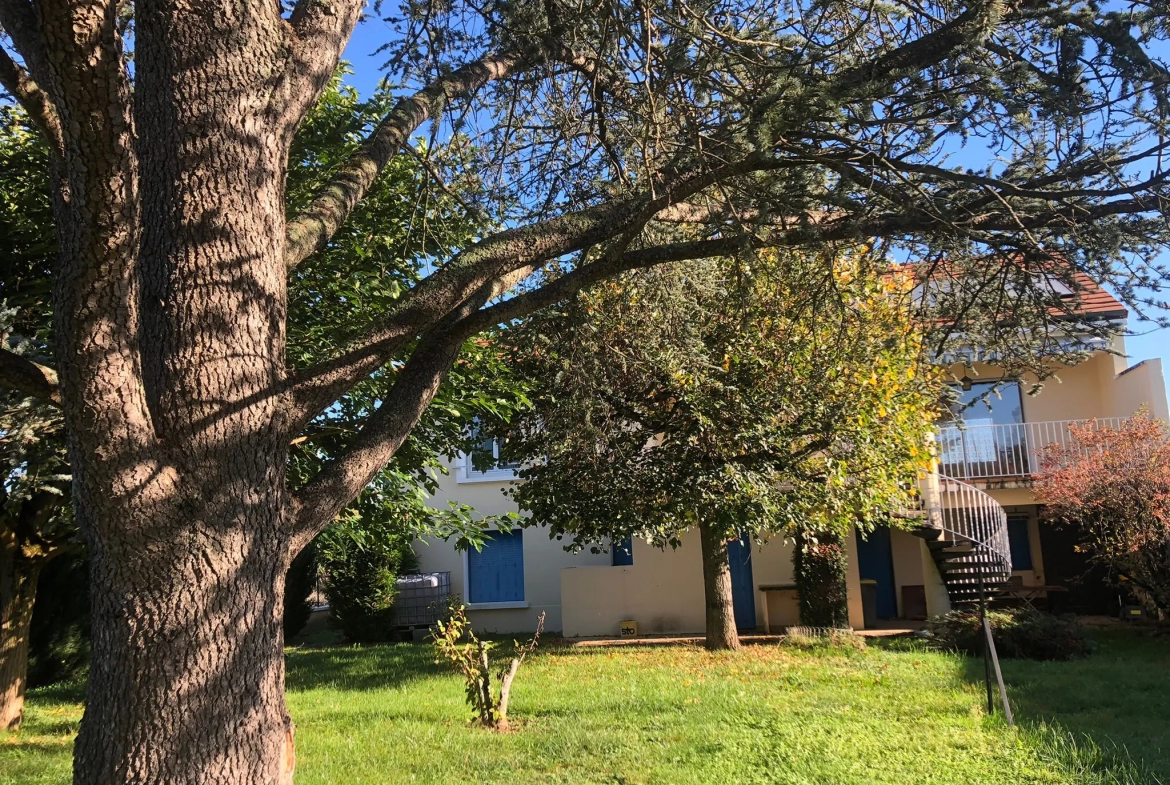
(359, 667)
(1104, 718)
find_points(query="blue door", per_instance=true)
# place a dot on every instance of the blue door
(743, 592)
(875, 562)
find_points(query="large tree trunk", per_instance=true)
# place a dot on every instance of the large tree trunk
(721, 633)
(18, 586)
(186, 682)
(172, 348)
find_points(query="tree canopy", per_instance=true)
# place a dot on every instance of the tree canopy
(761, 396)
(773, 395)
(601, 136)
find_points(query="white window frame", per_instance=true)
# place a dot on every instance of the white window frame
(492, 606)
(465, 473)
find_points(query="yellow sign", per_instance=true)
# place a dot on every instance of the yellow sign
(629, 629)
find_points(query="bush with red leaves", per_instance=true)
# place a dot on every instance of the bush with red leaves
(1113, 485)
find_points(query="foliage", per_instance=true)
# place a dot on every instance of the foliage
(1018, 632)
(758, 395)
(943, 130)
(360, 561)
(59, 640)
(820, 562)
(1112, 485)
(826, 639)
(299, 582)
(472, 660)
(32, 437)
(26, 229)
(389, 243)
(678, 714)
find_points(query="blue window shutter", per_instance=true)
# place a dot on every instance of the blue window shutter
(1019, 542)
(623, 552)
(496, 573)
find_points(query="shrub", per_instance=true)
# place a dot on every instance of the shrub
(819, 563)
(471, 659)
(59, 636)
(298, 585)
(360, 562)
(1112, 486)
(1019, 632)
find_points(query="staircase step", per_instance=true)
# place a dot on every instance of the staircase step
(946, 545)
(974, 595)
(955, 553)
(989, 567)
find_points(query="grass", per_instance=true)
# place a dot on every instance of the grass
(677, 714)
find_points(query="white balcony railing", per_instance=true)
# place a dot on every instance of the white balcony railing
(1003, 451)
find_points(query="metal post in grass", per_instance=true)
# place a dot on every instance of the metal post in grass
(990, 644)
(987, 642)
(991, 658)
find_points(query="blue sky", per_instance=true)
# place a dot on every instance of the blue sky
(1145, 343)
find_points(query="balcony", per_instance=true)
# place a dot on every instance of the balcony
(1010, 451)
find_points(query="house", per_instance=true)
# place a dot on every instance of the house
(983, 491)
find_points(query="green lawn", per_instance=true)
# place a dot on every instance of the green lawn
(891, 714)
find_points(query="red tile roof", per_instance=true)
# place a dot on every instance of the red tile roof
(1096, 300)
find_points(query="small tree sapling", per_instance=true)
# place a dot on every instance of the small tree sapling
(458, 644)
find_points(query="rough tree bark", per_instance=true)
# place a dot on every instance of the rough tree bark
(18, 585)
(169, 308)
(721, 632)
(27, 544)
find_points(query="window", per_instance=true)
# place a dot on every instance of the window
(996, 449)
(1020, 543)
(495, 574)
(622, 552)
(1006, 409)
(483, 463)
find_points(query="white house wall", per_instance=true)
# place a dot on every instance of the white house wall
(543, 561)
(1141, 385)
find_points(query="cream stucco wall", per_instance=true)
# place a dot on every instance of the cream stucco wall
(663, 590)
(583, 595)
(906, 550)
(1101, 386)
(543, 560)
(1143, 384)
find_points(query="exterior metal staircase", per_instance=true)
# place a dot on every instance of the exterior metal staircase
(966, 532)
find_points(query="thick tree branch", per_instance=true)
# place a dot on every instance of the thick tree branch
(474, 271)
(967, 30)
(319, 31)
(18, 21)
(320, 500)
(560, 288)
(33, 379)
(312, 228)
(33, 99)
(327, 494)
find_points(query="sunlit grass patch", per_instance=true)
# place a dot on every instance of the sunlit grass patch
(805, 715)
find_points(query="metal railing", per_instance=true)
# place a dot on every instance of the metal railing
(975, 452)
(966, 514)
